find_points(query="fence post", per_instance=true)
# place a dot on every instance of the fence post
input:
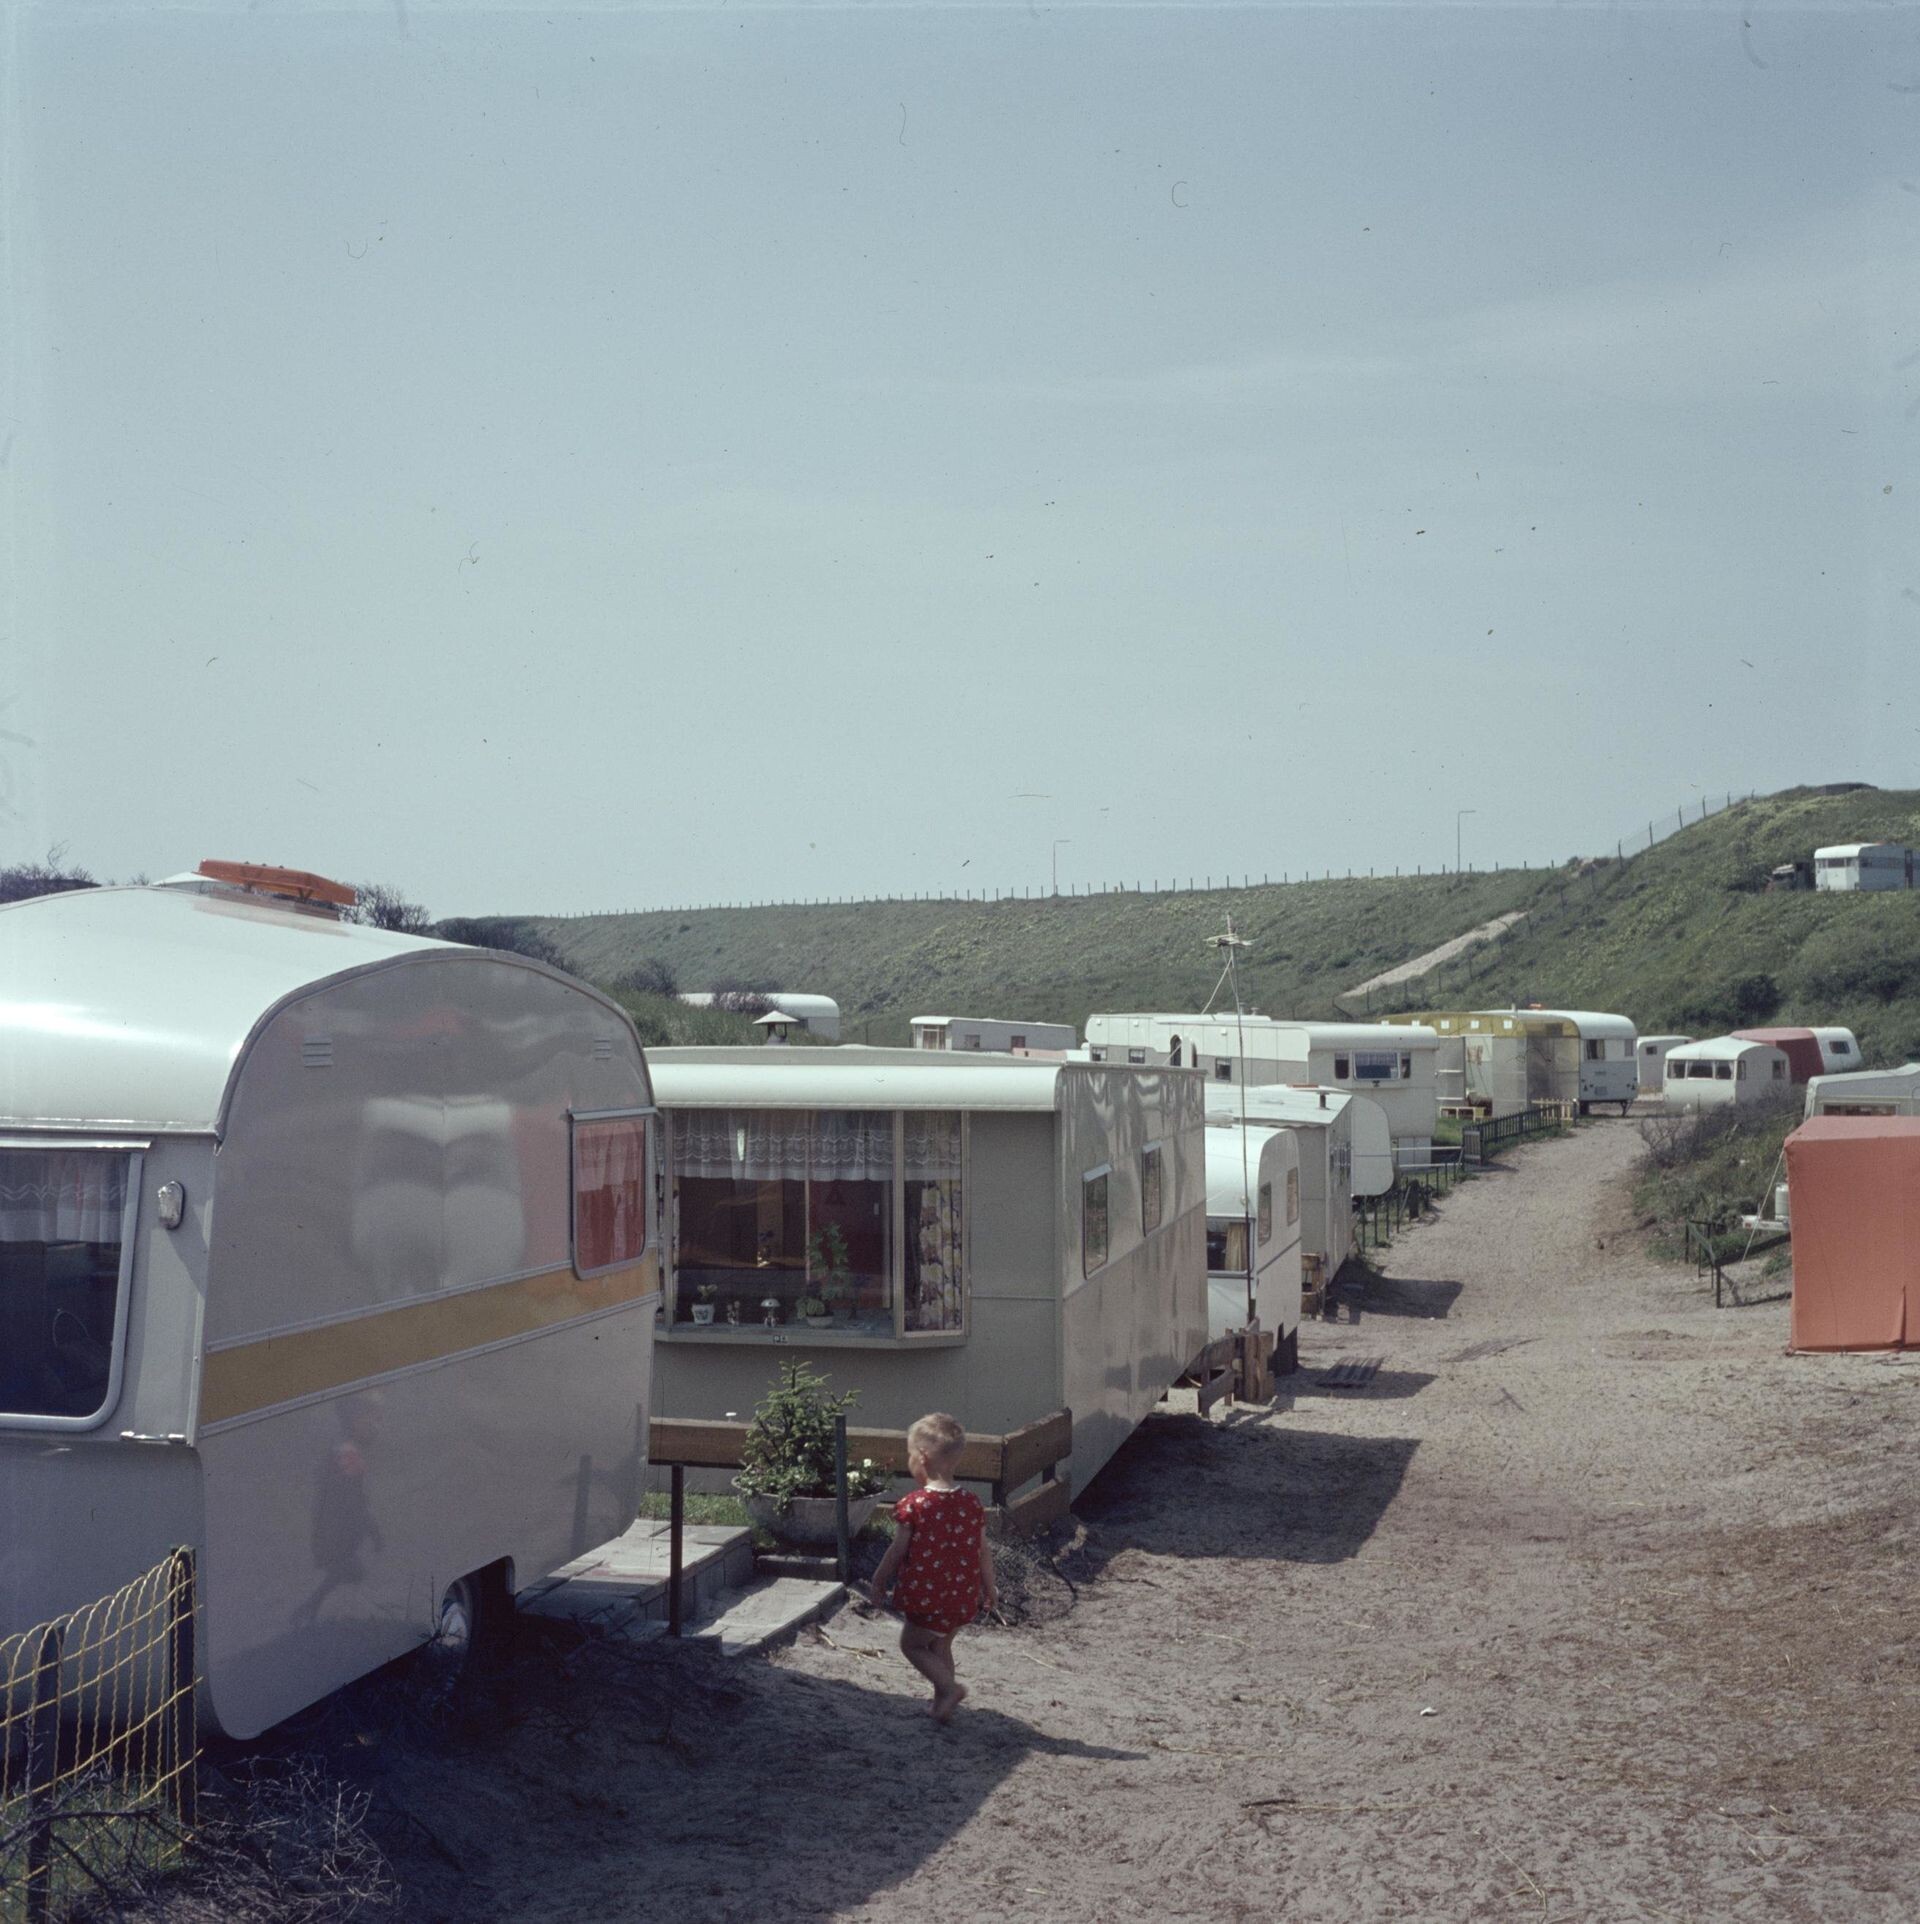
(676, 1519)
(181, 1747)
(840, 1495)
(43, 1772)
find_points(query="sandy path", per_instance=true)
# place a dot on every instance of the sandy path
(1412, 971)
(1650, 1577)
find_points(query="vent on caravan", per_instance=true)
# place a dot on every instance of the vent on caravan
(293, 884)
(316, 1052)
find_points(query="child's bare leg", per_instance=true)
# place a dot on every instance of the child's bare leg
(921, 1648)
(948, 1690)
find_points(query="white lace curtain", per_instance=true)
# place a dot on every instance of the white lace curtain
(784, 1145)
(62, 1195)
(933, 1148)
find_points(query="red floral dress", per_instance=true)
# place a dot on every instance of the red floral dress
(938, 1587)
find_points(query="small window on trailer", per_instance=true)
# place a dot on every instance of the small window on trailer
(1152, 1194)
(1266, 1212)
(67, 1220)
(1723, 1072)
(1136, 1056)
(1343, 1068)
(1016, 1042)
(1223, 1069)
(1779, 1072)
(1293, 1195)
(1596, 1051)
(1841, 1046)
(1741, 1067)
(609, 1190)
(1093, 1219)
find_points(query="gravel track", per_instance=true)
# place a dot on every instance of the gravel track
(1650, 1577)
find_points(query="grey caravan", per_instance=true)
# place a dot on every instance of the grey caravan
(325, 1251)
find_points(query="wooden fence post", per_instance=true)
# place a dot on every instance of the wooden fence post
(676, 1519)
(841, 1555)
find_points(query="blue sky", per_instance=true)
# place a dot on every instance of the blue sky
(554, 461)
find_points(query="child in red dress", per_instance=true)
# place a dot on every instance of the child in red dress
(938, 1568)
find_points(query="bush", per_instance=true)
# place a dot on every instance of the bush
(789, 1446)
(25, 880)
(1741, 1002)
(378, 906)
(649, 976)
(500, 932)
(1713, 1163)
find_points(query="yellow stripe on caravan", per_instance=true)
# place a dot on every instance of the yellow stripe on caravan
(278, 1369)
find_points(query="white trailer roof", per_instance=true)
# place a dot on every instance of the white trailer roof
(1233, 1165)
(1593, 1024)
(806, 1008)
(1652, 1042)
(1721, 1048)
(129, 1007)
(1364, 1035)
(1852, 851)
(855, 1078)
(1291, 1103)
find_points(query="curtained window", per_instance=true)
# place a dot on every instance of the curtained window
(62, 1217)
(609, 1192)
(785, 1214)
(936, 1260)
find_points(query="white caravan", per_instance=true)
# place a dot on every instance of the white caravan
(1724, 1070)
(1394, 1066)
(964, 1033)
(1253, 1235)
(1609, 1068)
(1322, 1119)
(323, 1250)
(1850, 867)
(1650, 1053)
(817, 1014)
(1867, 1092)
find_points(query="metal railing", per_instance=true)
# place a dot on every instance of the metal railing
(98, 1743)
(1480, 1142)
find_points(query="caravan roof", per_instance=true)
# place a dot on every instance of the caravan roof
(1233, 1167)
(852, 1078)
(1358, 1035)
(1591, 1023)
(159, 991)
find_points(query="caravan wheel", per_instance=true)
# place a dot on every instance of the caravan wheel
(469, 1614)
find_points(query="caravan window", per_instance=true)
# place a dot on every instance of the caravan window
(65, 1251)
(1293, 1196)
(782, 1206)
(1596, 1051)
(1342, 1069)
(1093, 1221)
(609, 1192)
(1266, 1212)
(1152, 1194)
(1723, 1071)
(1841, 1047)
(1370, 1065)
(1223, 1068)
(1227, 1245)
(1780, 1074)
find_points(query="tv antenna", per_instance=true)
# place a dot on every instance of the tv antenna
(1227, 945)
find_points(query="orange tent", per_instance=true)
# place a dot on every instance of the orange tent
(1854, 1198)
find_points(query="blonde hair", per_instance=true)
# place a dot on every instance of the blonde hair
(938, 1437)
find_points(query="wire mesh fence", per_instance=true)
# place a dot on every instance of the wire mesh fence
(97, 1746)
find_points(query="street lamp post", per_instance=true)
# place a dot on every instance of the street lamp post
(1059, 844)
(1459, 815)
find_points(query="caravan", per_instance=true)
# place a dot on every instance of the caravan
(323, 1250)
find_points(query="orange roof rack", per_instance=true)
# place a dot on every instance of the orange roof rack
(294, 883)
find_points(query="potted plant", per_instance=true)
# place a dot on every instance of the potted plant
(830, 1269)
(703, 1302)
(812, 1310)
(786, 1462)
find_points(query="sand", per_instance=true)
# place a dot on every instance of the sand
(1592, 1605)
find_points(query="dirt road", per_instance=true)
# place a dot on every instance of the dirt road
(1592, 1605)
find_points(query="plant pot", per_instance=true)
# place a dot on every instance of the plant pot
(807, 1519)
(819, 1322)
(703, 1312)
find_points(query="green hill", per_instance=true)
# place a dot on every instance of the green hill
(1682, 937)
(1685, 939)
(1053, 959)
